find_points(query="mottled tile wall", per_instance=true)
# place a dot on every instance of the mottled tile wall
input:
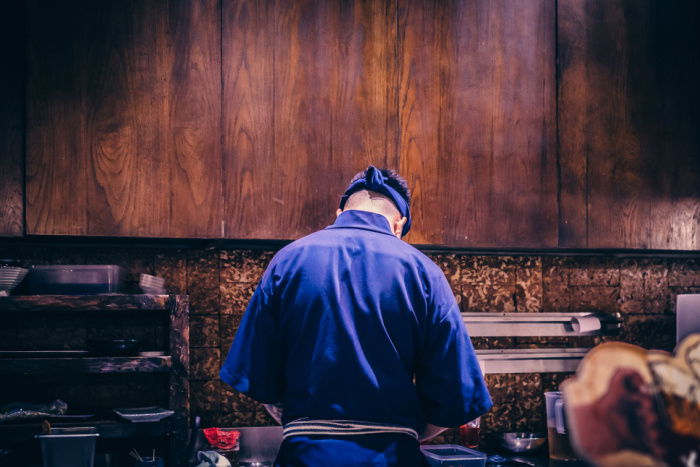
(221, 281)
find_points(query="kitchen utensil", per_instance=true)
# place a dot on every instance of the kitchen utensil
(78, 279)
(469, 433)
(522, 442)
(557, 434)
(10, 277)
(452, 455)
(144, 414)
(687, 315)
(152, 284)
(135, 454)
(150, 462)
(116, 347)
(259, 443)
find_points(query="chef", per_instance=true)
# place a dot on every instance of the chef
(357, 336)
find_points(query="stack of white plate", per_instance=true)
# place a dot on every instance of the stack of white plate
(10, 277)
(152, 284)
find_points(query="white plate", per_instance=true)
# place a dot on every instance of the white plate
(144, 414)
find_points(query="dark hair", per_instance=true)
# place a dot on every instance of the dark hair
(396, 181)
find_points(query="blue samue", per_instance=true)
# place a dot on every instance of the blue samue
(357, 334)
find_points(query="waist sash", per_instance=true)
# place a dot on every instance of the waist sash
(307, 427)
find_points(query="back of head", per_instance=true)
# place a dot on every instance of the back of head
(362, 198)
(382, 191)
(393, 179)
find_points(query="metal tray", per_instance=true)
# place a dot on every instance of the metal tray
(144, 414)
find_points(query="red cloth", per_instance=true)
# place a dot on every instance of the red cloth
(224, 439)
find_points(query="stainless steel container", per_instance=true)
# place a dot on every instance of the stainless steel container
(76, 279)
(69, 447)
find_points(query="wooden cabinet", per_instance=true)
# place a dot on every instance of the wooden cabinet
(524, 123)
(477, 116)
(458, 96)
(123, 118)
(96, 384)
(11, 121)
(309, 99)
(629, 109)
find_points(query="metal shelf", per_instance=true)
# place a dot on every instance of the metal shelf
(108, 429)
(90, 365)
(98, 303)
(530, 360)
(538, 324)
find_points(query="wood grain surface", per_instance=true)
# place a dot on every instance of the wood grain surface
(196, 204)
(124, 118)
(56, 110)
(309, 100)
(571, 129)
(521, 123)
(476, 109)
(12, 121)
(629, 109)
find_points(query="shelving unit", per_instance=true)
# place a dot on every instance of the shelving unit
(175, 363)
(530, 360)
(108, 429)
(89, 365)
(544, 360)
(538, 324)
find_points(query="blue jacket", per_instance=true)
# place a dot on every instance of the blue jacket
(351, 323)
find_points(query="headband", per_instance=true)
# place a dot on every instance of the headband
(375, 181)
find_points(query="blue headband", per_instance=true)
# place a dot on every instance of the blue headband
(375, 181)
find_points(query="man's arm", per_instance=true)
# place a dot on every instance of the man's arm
(254, 365)
(448, 377)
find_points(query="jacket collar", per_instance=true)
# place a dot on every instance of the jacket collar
(365, 220)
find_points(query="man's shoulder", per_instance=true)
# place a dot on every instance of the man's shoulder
(293, 250)
(313, 239)
(334, 238)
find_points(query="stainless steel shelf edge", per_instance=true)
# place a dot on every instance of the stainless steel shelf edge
(530, 360)
(537, 324)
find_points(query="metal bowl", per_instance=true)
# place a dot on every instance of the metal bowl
(522, 442)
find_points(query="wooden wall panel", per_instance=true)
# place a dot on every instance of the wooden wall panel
(250, 169)
(56, 112)
(194, 40)
(137, 125)
(124, 112)
(309, 99)
(571, 128)
(12, 121)
(476, 109)
(629, 111)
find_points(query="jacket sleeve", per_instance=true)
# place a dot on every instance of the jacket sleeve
(254, 365)
(448, 378)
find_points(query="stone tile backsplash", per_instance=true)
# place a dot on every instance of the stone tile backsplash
(220, 283)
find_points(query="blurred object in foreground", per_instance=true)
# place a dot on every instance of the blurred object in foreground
(627, 406)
